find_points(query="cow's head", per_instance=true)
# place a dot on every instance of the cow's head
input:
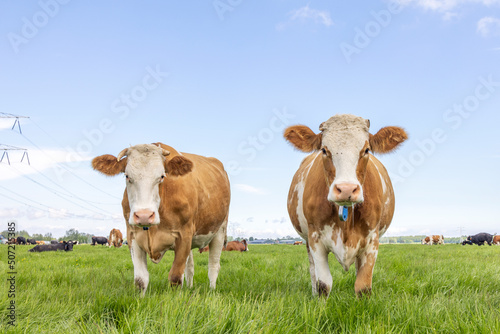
(345, 144)
(68, 245)
(145, 167)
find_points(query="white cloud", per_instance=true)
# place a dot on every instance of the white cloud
(445, 5)
(488, 26)
(6, 123)
(306, 14)
(9, 213)
(248, 189)
(394, 230)
(450, 16)
(268, 232)
(39, 161)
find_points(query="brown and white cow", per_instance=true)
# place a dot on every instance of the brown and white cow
(298, 243)
(172, 201)
(342, 172)
(496, 240)
(115, 238)
(433, 240)
(241, 246)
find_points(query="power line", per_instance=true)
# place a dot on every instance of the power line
(70, 194)
(65, 214)
(69, 170)
(60, 196)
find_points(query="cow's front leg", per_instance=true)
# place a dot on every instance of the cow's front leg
(182, 251)
(365, 263)
(215, 250)
(140, 261)
(322, 270)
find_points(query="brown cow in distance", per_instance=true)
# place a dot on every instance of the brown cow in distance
(241, 246)
(496, 240)
(342, 173)
(115, 238)
(433, 240)
(298, 243)
(204, 249)
(172, 201)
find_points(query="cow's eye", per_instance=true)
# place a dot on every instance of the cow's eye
(323, 150)
(367, 151)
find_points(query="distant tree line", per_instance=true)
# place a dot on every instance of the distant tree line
(71, 234)
(414, 239)
(230, 238)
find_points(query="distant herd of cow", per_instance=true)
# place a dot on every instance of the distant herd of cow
(340, 201)
(115, 239)
(478, 239)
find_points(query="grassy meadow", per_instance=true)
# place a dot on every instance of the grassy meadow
(416, 289)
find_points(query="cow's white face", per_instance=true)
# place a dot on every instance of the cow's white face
(145, 168)
(144, 173)
(345, 148)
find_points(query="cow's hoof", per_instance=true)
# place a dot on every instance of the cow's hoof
(364, 293)
(139, 283)
(322, 289)
(176, 281)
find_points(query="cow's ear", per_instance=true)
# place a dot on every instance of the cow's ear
(179, 165)
(387, 139)
(303, 138)
(109, 164)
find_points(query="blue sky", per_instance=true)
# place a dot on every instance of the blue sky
(223, 78)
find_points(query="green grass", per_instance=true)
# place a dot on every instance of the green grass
(416, 289)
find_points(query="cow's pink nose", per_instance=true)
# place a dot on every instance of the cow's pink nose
(346, 192)
(144, 217)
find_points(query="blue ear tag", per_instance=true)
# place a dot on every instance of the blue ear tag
(343, 213)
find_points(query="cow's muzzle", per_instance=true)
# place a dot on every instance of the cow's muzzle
(346, 194)
(144, 217)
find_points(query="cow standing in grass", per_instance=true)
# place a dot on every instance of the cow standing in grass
(115, 238)
(341, 172)
(99, 241)
(433, 240)
(172, 201)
